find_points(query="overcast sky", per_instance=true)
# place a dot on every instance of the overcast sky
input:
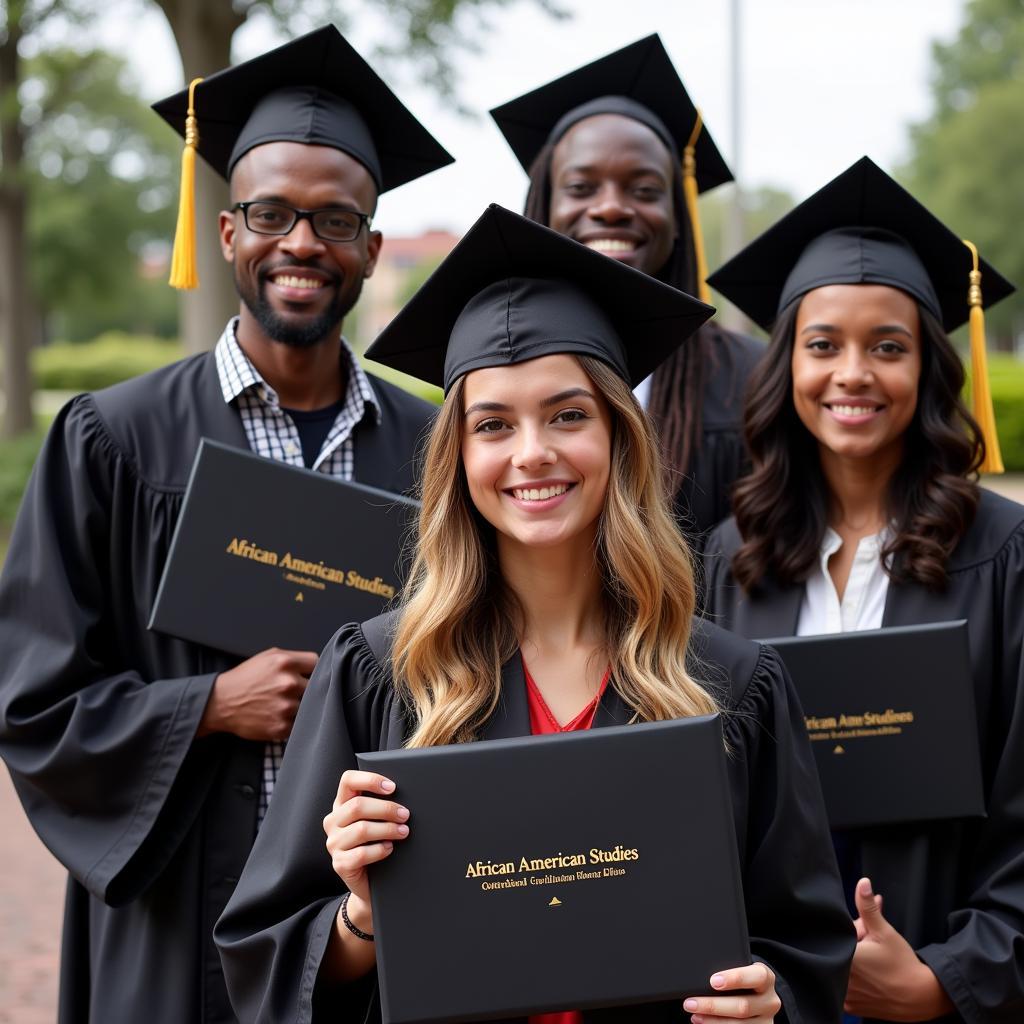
(823, 82)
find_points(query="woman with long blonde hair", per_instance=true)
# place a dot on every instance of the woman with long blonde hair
(550, 592)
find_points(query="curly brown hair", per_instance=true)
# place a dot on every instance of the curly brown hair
(781, 506)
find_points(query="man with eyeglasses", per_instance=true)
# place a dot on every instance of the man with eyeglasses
(146, 763)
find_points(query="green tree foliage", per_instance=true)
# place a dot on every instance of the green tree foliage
(988, 50)
(967, 160)
(101, 196)
(762, 207)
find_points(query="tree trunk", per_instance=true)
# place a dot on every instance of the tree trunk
(203, 32)
(18, 327)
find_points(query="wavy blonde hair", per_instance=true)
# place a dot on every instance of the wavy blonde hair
(459, 622)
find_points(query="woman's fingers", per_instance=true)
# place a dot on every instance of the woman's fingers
(354, 782)
(758, 977)
(755, 998)
(362, 828)
(358, 833)
(719, 1008)
(365, 808)
(348, 862)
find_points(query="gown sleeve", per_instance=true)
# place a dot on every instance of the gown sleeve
(981, 962)
(94, 749)
(796, 914)
(273, 934)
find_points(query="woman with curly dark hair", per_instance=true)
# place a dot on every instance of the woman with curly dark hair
(862, 510)
(617, 152)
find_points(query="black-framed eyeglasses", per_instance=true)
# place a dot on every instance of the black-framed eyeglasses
(332, 223)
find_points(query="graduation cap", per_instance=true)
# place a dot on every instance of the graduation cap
(638, 81)
(513, 290)
(316, 90)
(865, 228)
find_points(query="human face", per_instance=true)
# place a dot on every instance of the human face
(297, 288)
(611, 189)
(856, 368)
(536, 449)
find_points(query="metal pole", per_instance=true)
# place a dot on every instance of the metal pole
(734, 233)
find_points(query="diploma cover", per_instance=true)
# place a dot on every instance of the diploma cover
(271, 555)
(558, 872)
(890, 713)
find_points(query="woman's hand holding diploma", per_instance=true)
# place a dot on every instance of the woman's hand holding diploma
(756, 999)
(361, 830)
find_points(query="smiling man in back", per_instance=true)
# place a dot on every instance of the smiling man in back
(145, 763)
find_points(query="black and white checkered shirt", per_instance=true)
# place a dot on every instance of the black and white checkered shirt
(272, 433)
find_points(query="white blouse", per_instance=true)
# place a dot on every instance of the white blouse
(863, 601)
(643, 391)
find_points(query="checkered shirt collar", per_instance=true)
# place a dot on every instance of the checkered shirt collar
(238, 375)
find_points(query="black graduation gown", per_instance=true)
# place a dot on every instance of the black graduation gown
(98, 715)
(274, 932)
(955, 890)
(702, 499)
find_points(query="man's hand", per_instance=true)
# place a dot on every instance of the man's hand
(258, 700)
(887, 980)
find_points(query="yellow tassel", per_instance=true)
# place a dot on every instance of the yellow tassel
(690, 192)
(981, 393)
(183, 258)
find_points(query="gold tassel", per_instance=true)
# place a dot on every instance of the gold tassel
(690, 192)
(981, 393)
(183, 259)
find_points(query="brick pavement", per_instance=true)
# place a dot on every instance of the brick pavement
(31, 904)
(32, 897)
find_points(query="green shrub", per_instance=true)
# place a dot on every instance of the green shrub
(16, 460)
(1007, 376)
(116, 356)
(428, 392)
(110, 358)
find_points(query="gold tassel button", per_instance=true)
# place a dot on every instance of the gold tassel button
(981, 393)
(184, 274)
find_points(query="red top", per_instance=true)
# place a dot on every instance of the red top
(542, 723)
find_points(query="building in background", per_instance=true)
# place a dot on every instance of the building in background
(404, 264)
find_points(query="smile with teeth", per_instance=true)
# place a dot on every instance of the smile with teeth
(607, 245)
(539, 493)
(291, 281)
(853, 410)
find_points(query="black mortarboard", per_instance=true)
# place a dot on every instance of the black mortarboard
(513, 290)
(861, 228)
(638, 81)
(316, 90)
(865, 228)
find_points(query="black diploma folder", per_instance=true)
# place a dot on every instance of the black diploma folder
(558, 872)
(270, 555)
(890, 713)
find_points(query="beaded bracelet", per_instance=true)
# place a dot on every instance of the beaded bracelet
(357, 932)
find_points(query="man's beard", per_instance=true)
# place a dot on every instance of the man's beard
(303, 334)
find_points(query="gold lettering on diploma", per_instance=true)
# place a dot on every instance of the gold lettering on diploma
(848, 727)
(589, 864)
(308, 573)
